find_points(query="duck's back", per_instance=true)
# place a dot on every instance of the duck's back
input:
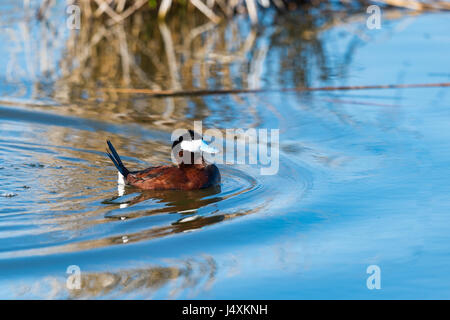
(173, 177)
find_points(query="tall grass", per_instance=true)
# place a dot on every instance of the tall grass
(115, 11)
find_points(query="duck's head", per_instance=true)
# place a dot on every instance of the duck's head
(189, 148)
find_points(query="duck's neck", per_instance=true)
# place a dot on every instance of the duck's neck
(194, 165)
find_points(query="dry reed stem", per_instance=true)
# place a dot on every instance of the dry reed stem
(115, 8)
(203, 92)
(418, 5)
(205, 10)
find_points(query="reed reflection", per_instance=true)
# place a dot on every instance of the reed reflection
(178, 277)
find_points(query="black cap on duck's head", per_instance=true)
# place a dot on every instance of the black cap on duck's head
(189, 147)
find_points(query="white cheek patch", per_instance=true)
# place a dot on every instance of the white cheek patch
(197, 146)
(191, 146)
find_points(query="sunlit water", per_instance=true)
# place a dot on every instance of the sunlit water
(363, 177)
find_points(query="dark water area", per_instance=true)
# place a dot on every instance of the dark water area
(362, 179)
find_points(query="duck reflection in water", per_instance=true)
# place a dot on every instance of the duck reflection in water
(171, 200)
(184, 204)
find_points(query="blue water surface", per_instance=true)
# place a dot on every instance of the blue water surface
(363, 176)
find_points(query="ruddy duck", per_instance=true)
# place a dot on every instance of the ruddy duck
(192, 171)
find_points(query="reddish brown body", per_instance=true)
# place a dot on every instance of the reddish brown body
(183, 177)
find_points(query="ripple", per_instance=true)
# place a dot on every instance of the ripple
(68, 200)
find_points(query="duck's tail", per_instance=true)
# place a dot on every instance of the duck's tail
(116, 160)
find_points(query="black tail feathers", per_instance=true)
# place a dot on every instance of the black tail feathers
(116, 159)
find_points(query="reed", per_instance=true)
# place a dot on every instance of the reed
(114, 54)
(116, 11)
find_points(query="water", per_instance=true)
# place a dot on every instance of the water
(363, 176)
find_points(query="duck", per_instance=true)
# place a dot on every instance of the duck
(191, 171)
